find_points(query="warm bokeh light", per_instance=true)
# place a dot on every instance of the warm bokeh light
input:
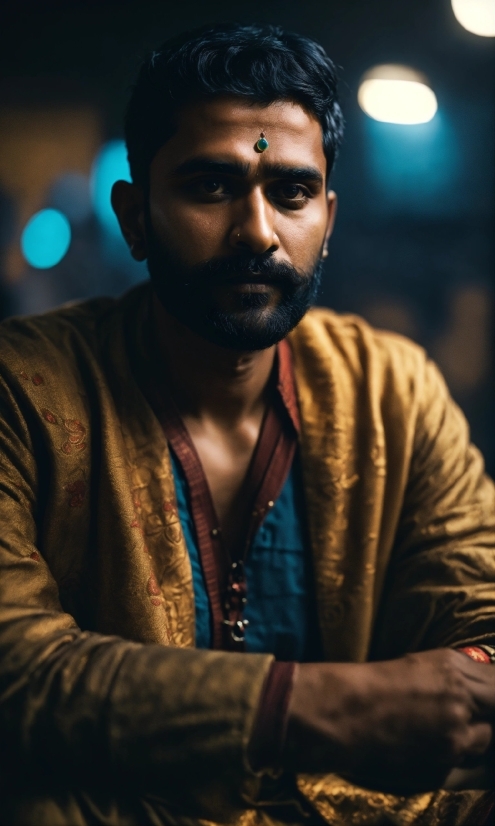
(39, 143)
(477, 16)
(46, 238)
(397, 94)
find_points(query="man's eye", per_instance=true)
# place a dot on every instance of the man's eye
(294, 193)
(212, 187)
(291, 191)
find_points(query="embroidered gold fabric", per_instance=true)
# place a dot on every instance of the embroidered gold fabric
(343, 804)
(96, 591)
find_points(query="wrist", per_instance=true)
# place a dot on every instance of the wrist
(318, 736)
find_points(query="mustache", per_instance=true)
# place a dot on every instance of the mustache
(263, 267)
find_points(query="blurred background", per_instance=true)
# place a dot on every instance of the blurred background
(413, 249)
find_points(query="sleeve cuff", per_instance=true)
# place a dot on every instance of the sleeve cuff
(267, 740)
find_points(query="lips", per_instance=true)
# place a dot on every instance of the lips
(254, 279)
(250, 286)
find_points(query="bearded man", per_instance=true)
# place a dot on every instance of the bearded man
(241, 542)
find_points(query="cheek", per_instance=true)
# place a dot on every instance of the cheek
(302, 236)
(196, 233)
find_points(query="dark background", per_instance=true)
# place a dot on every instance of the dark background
(413, 247)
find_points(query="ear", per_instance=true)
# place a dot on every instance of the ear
(332, 212)
(128, 205)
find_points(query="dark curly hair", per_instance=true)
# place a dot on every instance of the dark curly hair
(259, 63)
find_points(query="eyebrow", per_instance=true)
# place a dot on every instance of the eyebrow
(294, 173)
(200, 164)
(235, 168)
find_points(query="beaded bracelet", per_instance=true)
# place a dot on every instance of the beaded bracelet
(480, 653)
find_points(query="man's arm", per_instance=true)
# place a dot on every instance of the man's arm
(405, 722)
(402, 724)
(80, 705)
(440, 585)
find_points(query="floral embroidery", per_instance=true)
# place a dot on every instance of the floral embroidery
(35, 555)
(77, 432)
(173, 530)
(77, 492)
(37, 379)
(49, 416)
(152, 587)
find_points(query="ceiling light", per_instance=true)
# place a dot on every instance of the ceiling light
(477, 16)
(397, 94)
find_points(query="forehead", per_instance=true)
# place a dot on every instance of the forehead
(229, 128)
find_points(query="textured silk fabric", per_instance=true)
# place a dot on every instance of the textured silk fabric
(341, 804)
(401, 514)
(96, 591)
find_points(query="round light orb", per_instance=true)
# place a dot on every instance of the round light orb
(397, 94)
(46, 238)
(477, 16)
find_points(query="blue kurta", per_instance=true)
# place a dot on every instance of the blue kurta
(278, 570)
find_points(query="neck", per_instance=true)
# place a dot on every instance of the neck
(207, 380)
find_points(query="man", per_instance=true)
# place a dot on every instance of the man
(201, 477)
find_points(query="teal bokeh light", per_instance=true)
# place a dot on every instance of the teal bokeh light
(415, 168)
(46, 238)
(109, 166)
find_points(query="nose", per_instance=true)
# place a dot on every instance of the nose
(254, 228)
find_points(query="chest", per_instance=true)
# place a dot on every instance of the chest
(280, 610)
(225, 455)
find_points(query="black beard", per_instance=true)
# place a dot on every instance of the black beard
(187, 293)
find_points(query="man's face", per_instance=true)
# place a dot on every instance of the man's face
(234, 237)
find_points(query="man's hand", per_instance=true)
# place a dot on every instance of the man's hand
(400, 725)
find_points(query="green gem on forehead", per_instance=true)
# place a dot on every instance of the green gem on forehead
(262, 144)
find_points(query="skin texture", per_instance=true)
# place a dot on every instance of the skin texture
(402, 724)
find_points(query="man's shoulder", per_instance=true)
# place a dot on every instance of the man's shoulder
(349, 340)
(59, 335)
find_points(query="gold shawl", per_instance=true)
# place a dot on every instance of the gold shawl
(96, 588)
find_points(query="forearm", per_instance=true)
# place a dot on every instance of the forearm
(173, 722)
